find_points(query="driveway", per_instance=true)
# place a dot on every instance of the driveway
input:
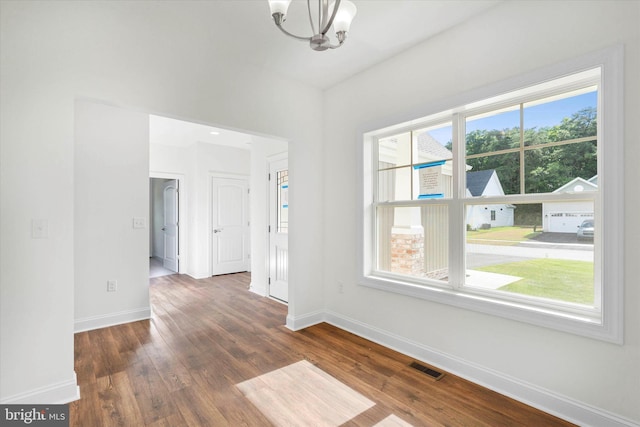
(561, 239)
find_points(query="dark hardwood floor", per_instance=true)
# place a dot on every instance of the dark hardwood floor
(183, 366)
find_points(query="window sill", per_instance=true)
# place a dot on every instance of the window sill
(551, 318)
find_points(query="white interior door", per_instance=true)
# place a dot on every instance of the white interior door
(170, 225)
(230, 225)
(279, 230)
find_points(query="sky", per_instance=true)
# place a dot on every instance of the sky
(542, 115)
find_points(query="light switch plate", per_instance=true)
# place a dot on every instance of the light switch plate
(138, 222)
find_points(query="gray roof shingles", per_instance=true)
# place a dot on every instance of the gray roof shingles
(477, 181)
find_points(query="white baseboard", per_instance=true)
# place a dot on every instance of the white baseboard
(111, 319)
(300, 322)
(537, 397)
(257, 289)
(53, 394)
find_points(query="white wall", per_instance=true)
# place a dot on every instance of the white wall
(511, 39)
(111, 189)
(132, 54)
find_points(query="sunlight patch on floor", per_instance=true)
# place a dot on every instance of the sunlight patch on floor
(303, 395)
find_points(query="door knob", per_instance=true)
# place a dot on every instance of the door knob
(217, 230)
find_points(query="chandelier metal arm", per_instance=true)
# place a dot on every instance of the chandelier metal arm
(292, 35)
(313, 28)
(278, 18)
(328, 23)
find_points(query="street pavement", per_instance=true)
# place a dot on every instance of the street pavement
(482, 255)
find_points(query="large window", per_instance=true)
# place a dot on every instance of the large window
(504, 205)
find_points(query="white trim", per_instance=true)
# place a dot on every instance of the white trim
(53, 394)
(609, 253)
(199, 275)
(258, 290)
(111, 319)
(296, 323)
(530, 394)
(276, 157)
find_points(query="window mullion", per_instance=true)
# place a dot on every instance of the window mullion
(522, 174)
(456, 213)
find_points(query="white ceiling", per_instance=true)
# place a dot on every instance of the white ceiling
(243, 31)
(178, 133)
(380, 30)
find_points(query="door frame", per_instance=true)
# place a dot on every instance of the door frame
(270, 214)
(227, 175)
(182, 215)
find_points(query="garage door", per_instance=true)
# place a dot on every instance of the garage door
(567, 222)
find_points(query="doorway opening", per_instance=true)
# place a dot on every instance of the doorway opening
(164, 227)
(215, 163)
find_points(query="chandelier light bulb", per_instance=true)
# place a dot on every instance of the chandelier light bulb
(279, 6)
(344, 16)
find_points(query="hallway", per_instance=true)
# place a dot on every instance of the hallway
(156, 269)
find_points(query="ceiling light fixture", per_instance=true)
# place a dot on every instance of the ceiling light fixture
(339, 14)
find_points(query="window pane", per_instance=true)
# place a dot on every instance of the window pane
(433, 143)
(550, 169)
(495, 131)
(394, 184)
(560, 118)
(283, 201)
(432, 169)
(554, 261)
(394, 151)
(494, 175)
(413, 241)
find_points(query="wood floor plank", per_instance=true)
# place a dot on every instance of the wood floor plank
(183, 367)
(87, 411)
(118, 401)
(151, 393)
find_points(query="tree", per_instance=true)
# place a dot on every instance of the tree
(546, 168)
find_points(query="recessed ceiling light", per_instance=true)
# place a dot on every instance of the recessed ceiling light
(214, 132)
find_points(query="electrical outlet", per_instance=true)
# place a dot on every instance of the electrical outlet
(340, 288)
(112, 285)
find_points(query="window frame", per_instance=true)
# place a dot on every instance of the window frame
(607, 325)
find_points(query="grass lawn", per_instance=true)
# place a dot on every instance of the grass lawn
(570, 281)
(501, 235)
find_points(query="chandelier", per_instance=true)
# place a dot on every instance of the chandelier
(339, 14)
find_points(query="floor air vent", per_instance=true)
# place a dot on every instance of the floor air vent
(429, 371)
